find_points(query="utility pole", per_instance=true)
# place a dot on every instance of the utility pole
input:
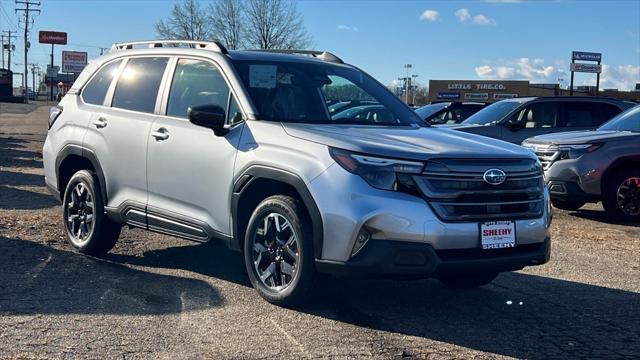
(27, 11)
(9, 46)
(406, 83)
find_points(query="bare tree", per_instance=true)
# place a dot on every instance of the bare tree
(275, 24)
(188, 21)
(227, 21)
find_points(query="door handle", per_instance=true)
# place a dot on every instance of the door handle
(100, 123)
(160, 134)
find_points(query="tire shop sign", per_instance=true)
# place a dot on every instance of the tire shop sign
(73, 61)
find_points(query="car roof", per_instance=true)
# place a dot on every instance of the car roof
(257, 55)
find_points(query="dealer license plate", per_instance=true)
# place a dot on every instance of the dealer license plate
(498, 234)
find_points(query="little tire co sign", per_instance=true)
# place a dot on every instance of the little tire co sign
(73, 61)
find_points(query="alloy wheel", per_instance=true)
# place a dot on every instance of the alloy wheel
(275, 252)
(80, 214)
(628, 196)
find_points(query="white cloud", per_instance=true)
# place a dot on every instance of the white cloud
(463, 15)
(523, 68)
(621, 77)
(483, 20)
(348, 28)
(430, 15)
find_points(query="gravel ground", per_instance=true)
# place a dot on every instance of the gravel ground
(161, 297)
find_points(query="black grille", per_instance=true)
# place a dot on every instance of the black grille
(456, 190)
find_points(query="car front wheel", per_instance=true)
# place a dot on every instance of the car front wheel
(278, 251)
(621, 198)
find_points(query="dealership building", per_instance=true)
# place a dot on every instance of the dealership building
(488, 91)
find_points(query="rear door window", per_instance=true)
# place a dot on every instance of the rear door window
(137, 87)
(582, 114)
(97, 88)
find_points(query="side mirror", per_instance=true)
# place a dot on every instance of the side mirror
(209, 116)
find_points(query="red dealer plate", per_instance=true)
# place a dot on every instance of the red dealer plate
(498, 234)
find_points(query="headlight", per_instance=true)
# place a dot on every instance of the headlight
(575, 151)
(381, 173)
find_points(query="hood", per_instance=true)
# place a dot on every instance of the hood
(579, 137)
(454, 126)
(404, 142)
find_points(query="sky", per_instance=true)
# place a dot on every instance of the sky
(492, 39)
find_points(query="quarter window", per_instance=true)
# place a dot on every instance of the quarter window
(97, 88)
(138, 85)
(196, 82)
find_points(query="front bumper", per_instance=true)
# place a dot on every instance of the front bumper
(347, 204)
(383, 258)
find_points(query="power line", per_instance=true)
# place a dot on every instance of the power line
(27, 11)
(2, 11)
(9, 48)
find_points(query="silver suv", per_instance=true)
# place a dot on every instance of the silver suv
(240, 146)
(592, 166)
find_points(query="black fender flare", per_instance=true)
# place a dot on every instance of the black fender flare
(255, 172)
(83, 152)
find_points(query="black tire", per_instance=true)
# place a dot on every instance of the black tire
(570, 205)
(302, 279)
(610, 203)
(103, 234)
(467, 280)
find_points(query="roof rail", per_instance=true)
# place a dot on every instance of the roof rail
(208, 45)
(322, 55)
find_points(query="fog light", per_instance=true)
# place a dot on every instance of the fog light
(361, 241)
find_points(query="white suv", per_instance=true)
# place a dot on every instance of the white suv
(241, 147)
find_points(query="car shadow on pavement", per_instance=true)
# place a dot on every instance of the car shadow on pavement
(37, 279)
(519, 315)
(18, 199)
(210, 259)
(600, 216)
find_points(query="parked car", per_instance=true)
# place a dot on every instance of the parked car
(448, 112)
(515, 120)
(376, 113)
(242, 150)
(592, 166)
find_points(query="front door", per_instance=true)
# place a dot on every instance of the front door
(190, 169)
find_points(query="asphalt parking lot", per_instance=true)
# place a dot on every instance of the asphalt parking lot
(158, 296)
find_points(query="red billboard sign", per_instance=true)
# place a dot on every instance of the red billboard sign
(53, 37)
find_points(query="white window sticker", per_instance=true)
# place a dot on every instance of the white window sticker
(262, 76)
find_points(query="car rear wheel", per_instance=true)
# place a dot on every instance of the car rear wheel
(467, 280)
(87, 227)
(278, 251)
(570, 205)
(621, 198)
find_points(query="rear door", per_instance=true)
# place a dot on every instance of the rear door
(119, 131)
(585, 115)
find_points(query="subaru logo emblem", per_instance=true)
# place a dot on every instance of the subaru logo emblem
(494, 176)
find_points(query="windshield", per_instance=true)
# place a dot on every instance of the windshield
(320, 93)
(428, 110)
(626, 121)
(492, 113)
